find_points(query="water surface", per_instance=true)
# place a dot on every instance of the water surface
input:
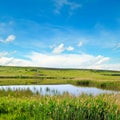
(59, 89)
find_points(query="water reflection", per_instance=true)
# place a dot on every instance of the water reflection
(58, 89)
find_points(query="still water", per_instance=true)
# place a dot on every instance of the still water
(59, 89)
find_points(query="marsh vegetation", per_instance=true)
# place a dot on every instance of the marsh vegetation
(27, 105)
(24, 105)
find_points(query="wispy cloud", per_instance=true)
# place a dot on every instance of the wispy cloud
(61, 3)
(10, 38)
(59, 49)
(118, 45)
(2, 54)
(6, 27)
(70, 48)
(80, 43)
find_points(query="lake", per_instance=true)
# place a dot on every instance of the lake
(59, 89)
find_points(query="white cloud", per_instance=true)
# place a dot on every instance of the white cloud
(111, 66)
(85, 61)
(70, 48)
(80, 43)
(10, 38)
(61, 3)
(101, 59)
(59, 49)
(10, 61)
(72, 61)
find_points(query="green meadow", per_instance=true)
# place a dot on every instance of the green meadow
(26, 105)
(31, 75)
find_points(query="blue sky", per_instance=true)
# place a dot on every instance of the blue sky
(60, 33)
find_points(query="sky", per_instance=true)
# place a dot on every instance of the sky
(82, 34)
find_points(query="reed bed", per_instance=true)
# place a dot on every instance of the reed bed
(23, 105)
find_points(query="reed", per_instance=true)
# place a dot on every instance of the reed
(59, 107)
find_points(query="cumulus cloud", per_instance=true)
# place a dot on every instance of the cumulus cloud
(10, 38)
(61, 3)
(72, 61)
(85, 61)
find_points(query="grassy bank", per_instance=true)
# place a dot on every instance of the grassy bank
(31, 75)
(24, 105)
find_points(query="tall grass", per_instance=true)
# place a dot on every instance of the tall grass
(59, 107)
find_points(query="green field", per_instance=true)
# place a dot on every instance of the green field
(25, 105)
(31, 75)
